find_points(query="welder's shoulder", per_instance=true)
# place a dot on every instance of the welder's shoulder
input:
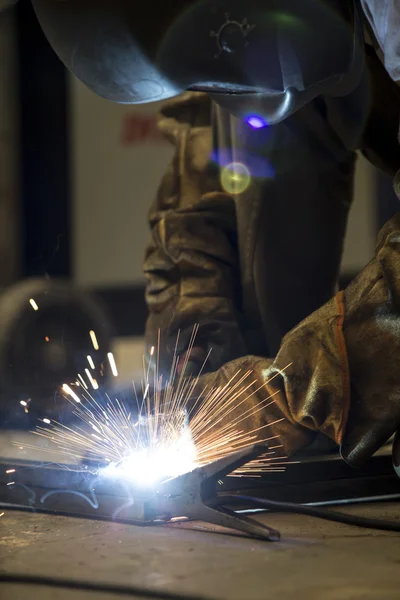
(190, 109)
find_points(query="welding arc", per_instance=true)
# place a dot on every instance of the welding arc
(90, 586)
(302, 509)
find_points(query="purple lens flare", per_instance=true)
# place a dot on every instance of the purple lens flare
(256, 122)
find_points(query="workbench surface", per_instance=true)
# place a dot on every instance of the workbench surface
(315, 559)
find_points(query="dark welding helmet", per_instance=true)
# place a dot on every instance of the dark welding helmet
(255, 56)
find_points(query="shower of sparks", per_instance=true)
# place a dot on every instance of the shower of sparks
(90, 361)
(166, 436)
(113, 366)
(94, 340)
(33, 304)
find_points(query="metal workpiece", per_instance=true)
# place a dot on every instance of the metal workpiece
(195, 496)
(206, 497)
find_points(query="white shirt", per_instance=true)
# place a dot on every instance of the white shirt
(384, 18)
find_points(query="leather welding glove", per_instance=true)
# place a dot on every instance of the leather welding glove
(191, 263)
(338, 371)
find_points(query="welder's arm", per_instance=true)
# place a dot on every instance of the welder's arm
(191, 263)
(338, 371)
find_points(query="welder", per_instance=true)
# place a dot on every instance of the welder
(249, 221)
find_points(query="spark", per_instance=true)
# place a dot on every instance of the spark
(113, 366)
(47, 421)
(11, 483)
(90, 361)
(47, 339)
(2, 514)
(82, 381)
(94, 340)
(93, 382)
(33, 304)
(71, 393)
(23, 403)
(9, 471)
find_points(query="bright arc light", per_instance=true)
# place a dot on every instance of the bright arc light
(33, 304)
(149, 466)
(113, 366)
(94, 340)
(71, 393)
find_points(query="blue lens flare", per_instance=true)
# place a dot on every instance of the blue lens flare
(256, 122)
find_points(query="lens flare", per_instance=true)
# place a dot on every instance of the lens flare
(235, 178)
(256, 122)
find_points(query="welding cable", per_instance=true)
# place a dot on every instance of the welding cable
(311, 511)
(90, 586)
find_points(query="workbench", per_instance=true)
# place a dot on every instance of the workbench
(316, 560)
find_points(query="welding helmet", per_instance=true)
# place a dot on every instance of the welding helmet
(268, 55)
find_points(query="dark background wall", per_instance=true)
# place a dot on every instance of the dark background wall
(45, 174)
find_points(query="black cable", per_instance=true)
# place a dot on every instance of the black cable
(89, 586)
(302, 509)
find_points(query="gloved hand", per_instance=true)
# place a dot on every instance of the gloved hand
(338, 371)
